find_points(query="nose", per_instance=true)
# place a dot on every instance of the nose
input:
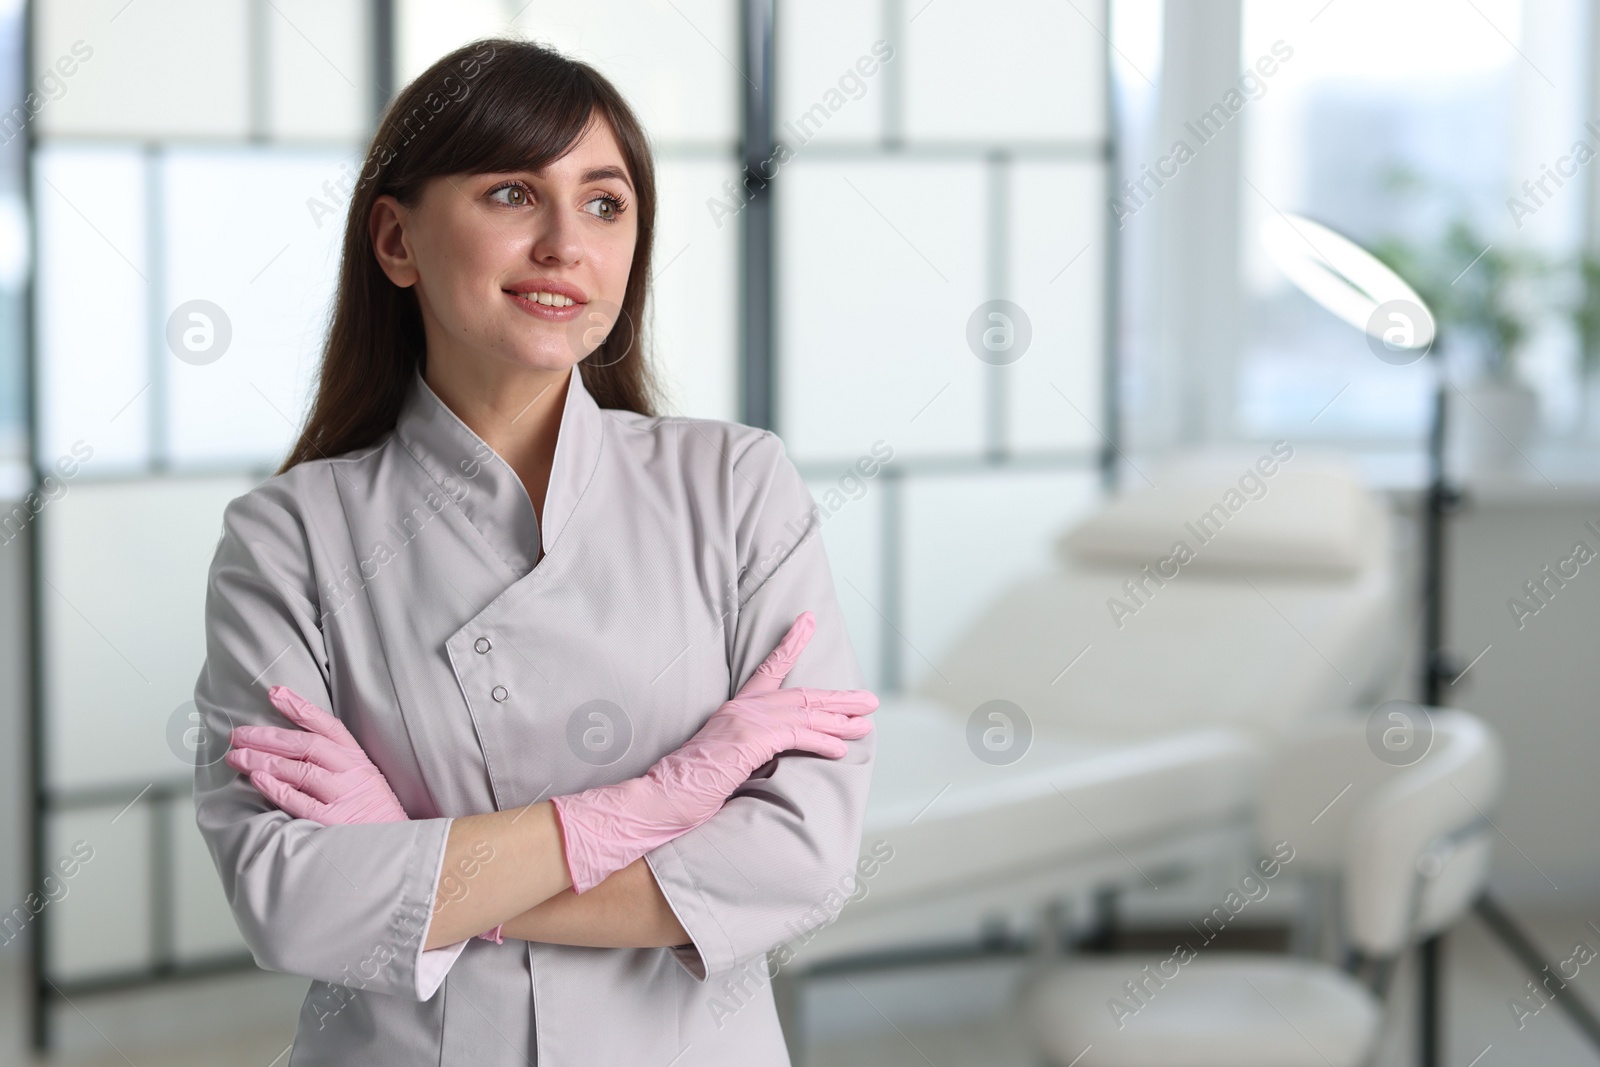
(557, 239)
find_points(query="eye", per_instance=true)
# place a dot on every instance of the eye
(612, 206)
(520, 197)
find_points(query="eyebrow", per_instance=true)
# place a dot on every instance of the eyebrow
(607, 172)
(594, 174)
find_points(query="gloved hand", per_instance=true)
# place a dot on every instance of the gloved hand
(319, 772)
(607, 828)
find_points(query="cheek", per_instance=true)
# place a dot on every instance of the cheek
(613, 261)
(462, 267)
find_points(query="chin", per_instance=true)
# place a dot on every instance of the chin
(545, 359)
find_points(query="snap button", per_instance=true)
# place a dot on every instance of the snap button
(499, 693)
(482, 645)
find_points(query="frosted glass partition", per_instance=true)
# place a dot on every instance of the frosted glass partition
(881, 263)
(180, 299)
(426, 30)
(110, 909)
(124, 567)
(126, 78)
(202, 923)
(677, 61)
(92, 293)
(101, 863)
(820, 43)
(291, 69)
(970, 536)
(231, 228)
(852, 512)
(320, 78)
(1005, 70)
(270, 271)
(694, 311)
(1054, 397)
(943, 265)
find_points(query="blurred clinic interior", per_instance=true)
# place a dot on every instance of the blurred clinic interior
(1200, 403)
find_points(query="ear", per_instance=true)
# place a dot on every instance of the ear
(386, 228)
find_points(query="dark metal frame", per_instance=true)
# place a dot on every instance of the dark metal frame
(34, 790)
(1441, 499)
(757, 259)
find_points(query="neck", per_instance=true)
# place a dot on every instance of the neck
(516, 410)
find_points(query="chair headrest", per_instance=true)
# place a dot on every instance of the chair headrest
(1271, 511)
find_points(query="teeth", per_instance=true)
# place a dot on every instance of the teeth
(549, 299)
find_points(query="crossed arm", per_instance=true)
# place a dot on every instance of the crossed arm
(602, 894)
(627, 910)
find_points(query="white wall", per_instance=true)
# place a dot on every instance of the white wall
(1538, 685)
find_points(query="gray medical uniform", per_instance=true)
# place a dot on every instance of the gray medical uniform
(396, 586)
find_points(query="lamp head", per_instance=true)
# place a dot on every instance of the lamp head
(1353, 284)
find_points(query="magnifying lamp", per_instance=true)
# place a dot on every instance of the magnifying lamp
(1356, 287)
(1353, 284)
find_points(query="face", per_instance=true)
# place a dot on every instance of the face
(482, 248)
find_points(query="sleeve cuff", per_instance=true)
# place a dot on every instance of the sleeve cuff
(710, 949)
(433, 964)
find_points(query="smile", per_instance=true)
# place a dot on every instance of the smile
(546, 305)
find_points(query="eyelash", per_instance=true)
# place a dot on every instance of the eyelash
(619, 205)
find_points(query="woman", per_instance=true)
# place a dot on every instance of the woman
(526, 601)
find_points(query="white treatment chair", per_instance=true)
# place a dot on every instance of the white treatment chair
(1147, 739)
(1410, 846)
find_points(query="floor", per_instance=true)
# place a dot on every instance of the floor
(950, 1016)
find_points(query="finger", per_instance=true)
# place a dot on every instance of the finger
(247, 760)
(835, 724)
(820, 743)
(850, 727)
(295, 744)
(776, 667)
(844, 701)
(280, 741)
(299, 774)
(850, 701)
(307, 715)
(286, 797)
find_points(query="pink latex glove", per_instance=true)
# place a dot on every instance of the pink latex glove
(318, 772)
(607, 828)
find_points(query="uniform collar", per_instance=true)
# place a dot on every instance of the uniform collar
(484, 486)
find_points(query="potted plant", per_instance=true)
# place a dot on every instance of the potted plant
(1586, 323)
(1479, 295)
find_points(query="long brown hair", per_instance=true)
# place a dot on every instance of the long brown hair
(497, 104)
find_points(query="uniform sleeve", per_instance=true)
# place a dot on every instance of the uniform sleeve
(779, 858)
(347, 904)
